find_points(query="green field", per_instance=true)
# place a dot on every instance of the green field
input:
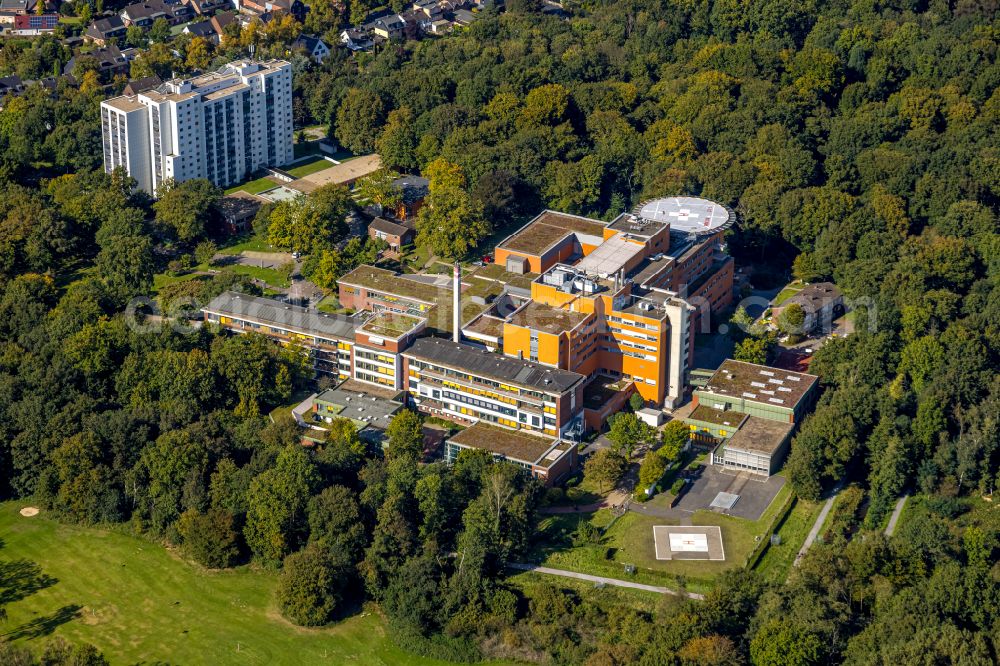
(140, 603)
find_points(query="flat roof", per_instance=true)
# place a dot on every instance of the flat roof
(546, 318)
(124, 103)
(547, 228)
(358, 403)
(610, 256)
(269, 311)
(760, 383)
(423, 289)
(380, 279)
(686, 214)
(391, 325)
(637, 226)
(720, 417)
(486, 326)
(512, 444)
(505, 369)
(345, 172)
(760, 435)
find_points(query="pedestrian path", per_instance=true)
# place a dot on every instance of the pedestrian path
(601, 579)
(817, 526)
(894, 518)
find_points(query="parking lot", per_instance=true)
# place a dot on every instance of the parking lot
(708, 481)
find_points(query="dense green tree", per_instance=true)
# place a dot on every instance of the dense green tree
(405, 435)
(185, 208)
(209, 538)
(606, 467)
(310, 589)
(360, 117)
(276, 506)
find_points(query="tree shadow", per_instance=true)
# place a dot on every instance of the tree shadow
(21, 578)
(45, 625)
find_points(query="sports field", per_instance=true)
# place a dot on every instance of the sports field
(140, 603)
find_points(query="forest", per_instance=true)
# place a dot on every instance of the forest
(857, 142)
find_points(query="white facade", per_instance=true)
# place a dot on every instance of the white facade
(222, 126)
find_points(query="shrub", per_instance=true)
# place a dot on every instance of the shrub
(677, 486)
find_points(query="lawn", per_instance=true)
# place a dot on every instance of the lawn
(777, 561)
(254, 186)
(309, 167)
(271, 276)
(140, 603)
(629, 540)
(789, 290)
(254, 243)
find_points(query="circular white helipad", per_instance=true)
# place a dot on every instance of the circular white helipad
(686, 214)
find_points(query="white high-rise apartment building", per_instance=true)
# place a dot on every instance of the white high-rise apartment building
(221, 126)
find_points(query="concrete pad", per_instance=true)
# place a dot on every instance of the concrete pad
(688, 542)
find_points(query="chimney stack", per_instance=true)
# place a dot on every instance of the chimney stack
(457, 304)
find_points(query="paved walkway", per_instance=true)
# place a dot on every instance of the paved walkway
(601, 579)
(894, 518)
(814, 532)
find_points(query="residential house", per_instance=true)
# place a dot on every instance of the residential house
(464, 17)
(312, 46)
(440, 27)
(109, 60)
(206, 7)
(144, 14)
(223, 20)
(142, 85)
(430, 8)
(104, 30)
(260, 8)
(11, 85)
(414, 190)
(30, 25)
(388, 27)
(395, 234)
(11, 8)
(203, 29)
(357, 39)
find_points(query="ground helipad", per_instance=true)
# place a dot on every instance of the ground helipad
(688, 542)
